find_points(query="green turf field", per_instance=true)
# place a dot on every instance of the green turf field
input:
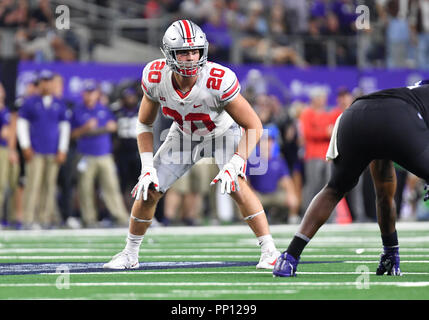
(181, 263)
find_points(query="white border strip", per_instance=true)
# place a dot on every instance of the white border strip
(207, 230)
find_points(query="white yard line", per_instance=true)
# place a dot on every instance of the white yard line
(52, 250)
(198, 256)
(145, 250)
(144, 273)
(281, 282)
(373, 261)
(198, 294)
(52, 257)
(182, 247)
(341, 241)
(372, 256)
(187, 294)
(210, 230)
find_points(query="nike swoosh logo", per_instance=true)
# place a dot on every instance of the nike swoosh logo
(197, 105)
(226, 171)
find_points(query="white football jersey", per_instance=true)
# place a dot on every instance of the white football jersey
(201, 110)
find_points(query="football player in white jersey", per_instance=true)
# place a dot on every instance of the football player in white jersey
(204, 100)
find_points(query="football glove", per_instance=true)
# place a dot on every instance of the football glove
(147, 179)
(228, 176)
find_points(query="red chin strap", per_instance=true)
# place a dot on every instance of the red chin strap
(188, 72)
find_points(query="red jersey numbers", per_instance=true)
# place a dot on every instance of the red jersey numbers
(176, 116)
(216, 78)
(205, 118)
(191, 117)
(154, 75)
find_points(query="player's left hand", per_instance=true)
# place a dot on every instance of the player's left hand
(229, 174)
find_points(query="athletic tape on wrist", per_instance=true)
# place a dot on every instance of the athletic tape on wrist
(146, 159)
(253, 215)
(141, 127)
(140, 220)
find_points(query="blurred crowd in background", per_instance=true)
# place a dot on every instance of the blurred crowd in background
(87, 182)
(301, 33)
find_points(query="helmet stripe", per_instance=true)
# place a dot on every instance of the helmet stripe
(187, 29)
(182, 34)
(192, 30)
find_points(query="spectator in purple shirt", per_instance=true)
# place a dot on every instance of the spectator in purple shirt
(29, 88)
(275, 187)
(4, 119)
(92, 126)
(43, 131)
(5, 150)
(345, 10)
(218, 35)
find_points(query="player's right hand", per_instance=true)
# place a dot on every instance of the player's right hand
(147, 178)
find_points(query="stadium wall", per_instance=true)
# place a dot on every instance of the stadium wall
(287, 83)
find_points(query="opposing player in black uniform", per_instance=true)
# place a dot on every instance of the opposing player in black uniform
(377, 129)
(126, 152)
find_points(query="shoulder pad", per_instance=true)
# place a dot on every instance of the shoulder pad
(224, 80)
(151, 77)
